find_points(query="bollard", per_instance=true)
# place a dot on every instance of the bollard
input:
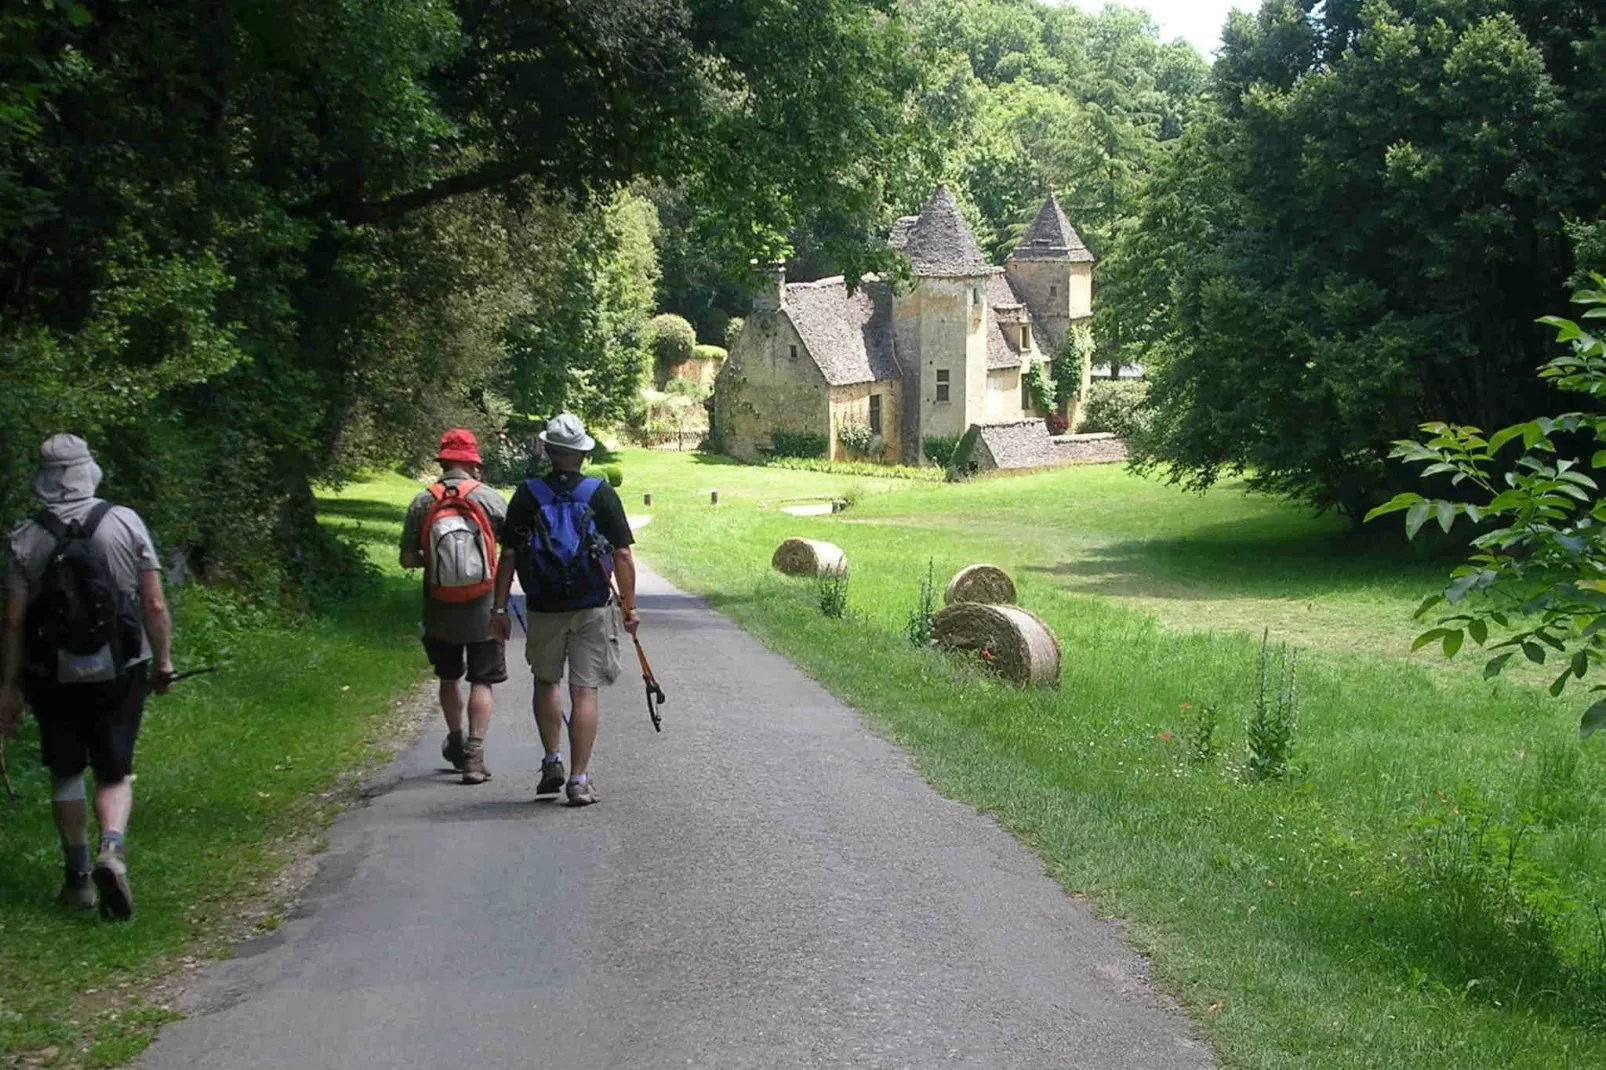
(646, 499)
(713, 497)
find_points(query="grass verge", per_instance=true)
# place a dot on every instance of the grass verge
(1426, 890)
(231, 770)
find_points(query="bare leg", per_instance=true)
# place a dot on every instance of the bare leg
(549, 715)
(452, 705)
(113, 803)
(480, 706)
(582, 727)
(72, 822)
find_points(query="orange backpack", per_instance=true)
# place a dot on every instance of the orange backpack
(458, 544)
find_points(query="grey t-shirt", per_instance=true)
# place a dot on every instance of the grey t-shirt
(121, 536)
(452, 622)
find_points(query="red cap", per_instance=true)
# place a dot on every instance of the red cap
(459, 445)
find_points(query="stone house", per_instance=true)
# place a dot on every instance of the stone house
(950, 352)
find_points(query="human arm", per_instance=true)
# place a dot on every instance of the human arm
(11, 661)
(158, 627)
(412, 551)
(501, 626)
(624, 575)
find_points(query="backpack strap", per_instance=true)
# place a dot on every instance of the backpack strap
(586, 489)
(86, 527)
(542, 492)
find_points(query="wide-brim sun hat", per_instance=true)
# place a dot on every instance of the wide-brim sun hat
(566, 432)
(459, 446)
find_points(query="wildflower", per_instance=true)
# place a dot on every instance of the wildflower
(1166, 736)
(987, 656)
(1187, 705)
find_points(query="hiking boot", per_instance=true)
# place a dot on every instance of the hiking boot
(452, 750)
(77, 892)
(581, 793)
(474, 771)
(111, 879)
(552, 778)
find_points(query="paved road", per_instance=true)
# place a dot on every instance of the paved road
(767, 884)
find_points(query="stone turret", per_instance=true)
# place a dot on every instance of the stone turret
(769, 292)
(1053, 271)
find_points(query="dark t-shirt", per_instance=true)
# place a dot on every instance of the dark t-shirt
(606, 509)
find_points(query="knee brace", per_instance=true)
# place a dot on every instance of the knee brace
(67, 788)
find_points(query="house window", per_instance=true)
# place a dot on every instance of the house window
(875, 414)
(1025, 393)
(942, 385)
(793, 353)
(1053, 291)
(1025, 336)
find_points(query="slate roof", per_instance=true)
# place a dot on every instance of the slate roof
(939, 242)
(849, 336)
(1006, 306)
(1051, 237)
(1019, 444)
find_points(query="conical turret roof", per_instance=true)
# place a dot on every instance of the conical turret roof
(1051, 237)
(938, 242)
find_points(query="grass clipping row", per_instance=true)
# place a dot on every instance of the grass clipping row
(1017, 645)
(980, 583)
(809, 557)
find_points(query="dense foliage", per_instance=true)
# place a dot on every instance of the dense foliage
(1362, 233)
(1536, 580)
(799, 444)
(250, 247)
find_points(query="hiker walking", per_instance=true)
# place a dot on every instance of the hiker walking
(84, 619)
(451, 532)
(568, 541)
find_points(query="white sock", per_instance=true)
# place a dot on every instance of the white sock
(555, 756)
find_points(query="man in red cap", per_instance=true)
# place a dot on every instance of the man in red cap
(451, 533)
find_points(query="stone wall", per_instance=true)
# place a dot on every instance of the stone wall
(702, 372)
(763, 386)
(1003, 395)
(851, 405)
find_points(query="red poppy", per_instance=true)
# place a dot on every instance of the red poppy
(1166, 736)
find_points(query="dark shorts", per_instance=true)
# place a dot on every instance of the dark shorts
(487, 661)
(89, 725)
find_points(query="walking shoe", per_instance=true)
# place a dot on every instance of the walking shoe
(452, 750)
(77, 892)
(552, 778)
(581, 793)
(111, 879)
(474, 771)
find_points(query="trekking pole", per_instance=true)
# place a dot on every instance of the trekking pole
(655, 693)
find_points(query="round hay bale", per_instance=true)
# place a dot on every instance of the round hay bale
(808, 557)
(981, 583)
(1018, 646)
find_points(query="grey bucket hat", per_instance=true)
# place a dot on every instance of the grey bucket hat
(566, 432)
(67, 471)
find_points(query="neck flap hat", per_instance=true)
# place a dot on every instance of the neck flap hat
(67, 471)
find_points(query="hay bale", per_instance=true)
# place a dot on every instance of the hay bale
(809, 557)
(981, 583)
(1020, 647)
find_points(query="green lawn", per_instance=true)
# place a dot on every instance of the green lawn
(231, 769)
(1427, 891)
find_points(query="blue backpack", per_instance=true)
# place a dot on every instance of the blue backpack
(569, 562)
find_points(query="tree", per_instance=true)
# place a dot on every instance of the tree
(1536, 580)
(1362, 235)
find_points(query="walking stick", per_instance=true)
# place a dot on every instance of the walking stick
(655, 694)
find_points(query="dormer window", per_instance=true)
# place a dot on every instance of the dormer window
(1025, 337)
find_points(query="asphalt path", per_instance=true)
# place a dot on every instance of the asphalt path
(766, 884)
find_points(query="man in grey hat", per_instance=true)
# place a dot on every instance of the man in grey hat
(88, 702)
(564, 537)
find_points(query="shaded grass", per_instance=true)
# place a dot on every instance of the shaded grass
(1423, 892)
(230, 769)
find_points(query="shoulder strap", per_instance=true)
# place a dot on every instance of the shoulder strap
(467, 487)
(92, 521)
(86, 527)
(51, 523)
(438, 491)
(544, 495)
(586, 489)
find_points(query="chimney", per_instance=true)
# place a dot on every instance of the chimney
(769, 292)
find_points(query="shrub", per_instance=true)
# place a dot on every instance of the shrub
(670, 339)
(702, 352)
(613, 474)
(919, 627)
(1057, 424)
(940, 449)
(1275, 718)
(798, 443)
(857, 439)
(1199, 730)
(733, 330)
(1113, 405)
(686, 388)
(833, 593)
(855, 468)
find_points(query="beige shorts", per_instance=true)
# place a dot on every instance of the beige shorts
(586, 639)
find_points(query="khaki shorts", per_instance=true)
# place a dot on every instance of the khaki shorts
(586, 639)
